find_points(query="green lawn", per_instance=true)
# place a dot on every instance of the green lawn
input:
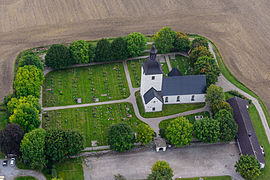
(207, 178)
(70, 169)
(25, 178)
(167, 109)
(93, 122)
(103, 82)
(191, 118)
(181, 63)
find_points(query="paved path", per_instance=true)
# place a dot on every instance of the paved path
(227, 86)
(168, 62)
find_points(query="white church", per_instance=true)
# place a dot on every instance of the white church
(157, 89)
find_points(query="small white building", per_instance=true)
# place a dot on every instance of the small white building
(157, 90)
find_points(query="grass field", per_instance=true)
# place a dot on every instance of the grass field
(25, 178)
(207, 178)
(100, 82)
(181, 63)
(134, 67)
(168, 109)
(191, 118)
(70, 169)
(93, 122)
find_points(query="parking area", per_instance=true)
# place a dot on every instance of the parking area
(194, 161)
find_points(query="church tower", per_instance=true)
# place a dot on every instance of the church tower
(152, 75)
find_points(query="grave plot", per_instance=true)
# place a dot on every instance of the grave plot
(134, 67)
(85, 85)
(181, 63)
(93, 122)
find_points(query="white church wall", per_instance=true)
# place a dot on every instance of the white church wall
(184, 99)
(154, 103)
(147, 82)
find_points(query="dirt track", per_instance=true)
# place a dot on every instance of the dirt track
(240, 29)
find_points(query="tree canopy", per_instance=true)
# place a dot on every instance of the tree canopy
(207, 130)
(215, 96)
(145, 134)
(248, 167)
(58, 57)
(33, 147)
(164, 39)
(28, 81)
(31, 59)
(120, 137)
(199, 41)
(179, 132)
(91, 52)
(10, 139)
(103, 51)
(135, 44)
(227, 124)
(161, 170)
(198, 52)
(26, 116)
(79, 51)
(181, 42)
(119, 49)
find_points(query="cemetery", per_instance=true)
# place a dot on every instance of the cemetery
(93, 121)
(89, 84)
(181, 63)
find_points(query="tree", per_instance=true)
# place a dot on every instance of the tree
(15, 102)
(58, 57)
(179, 132)
(26, 116)
(206, 65)
(103, 51)
(215, 96)
(248, 167)
(120, 137)
(61, 143)
(79, 51)
(198, 52)
(91, 52)
(181, 42)
(161, 170)
(199, 41)
(31, 59)
(28, 81)
(207, 130)
(223, 105)
(145, 134)
(135, 44)
(119, 49)
(227, 124)
(10, 139)
(33, 147)
(164, 39)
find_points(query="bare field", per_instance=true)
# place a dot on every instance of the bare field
(239, 28)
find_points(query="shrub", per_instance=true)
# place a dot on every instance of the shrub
(179, 132)
(58, 57)
(120, 137)
(198, 52)
(181, 42)
(103, 51)
(119, 49)
(164, 39)
(248, 167)
(145, 134)
(79, 51)
(207, 130)
(236, 93)
(161, 170)
(91, 52)
(135, 44)
(31, 59)
(199, 41)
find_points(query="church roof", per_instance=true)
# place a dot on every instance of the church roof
(152, 67)
(184, 85)
(247, 139)
(150, 94)
(175, 72)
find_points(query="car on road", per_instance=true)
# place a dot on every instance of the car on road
(12, 162)
(5, 163)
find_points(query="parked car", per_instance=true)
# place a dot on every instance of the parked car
(5, 163)
(12, 162)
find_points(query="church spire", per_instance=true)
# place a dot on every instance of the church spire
(153, 53)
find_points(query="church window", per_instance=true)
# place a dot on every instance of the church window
(178, 99)
(153, 77)
(153, 109)
(192, 98)
(166, 99)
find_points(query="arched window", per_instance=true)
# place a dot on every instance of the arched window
(153, 77)
(192, 98)
(178, 99)
(166, 99)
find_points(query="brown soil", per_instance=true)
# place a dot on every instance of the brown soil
(239, 28)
